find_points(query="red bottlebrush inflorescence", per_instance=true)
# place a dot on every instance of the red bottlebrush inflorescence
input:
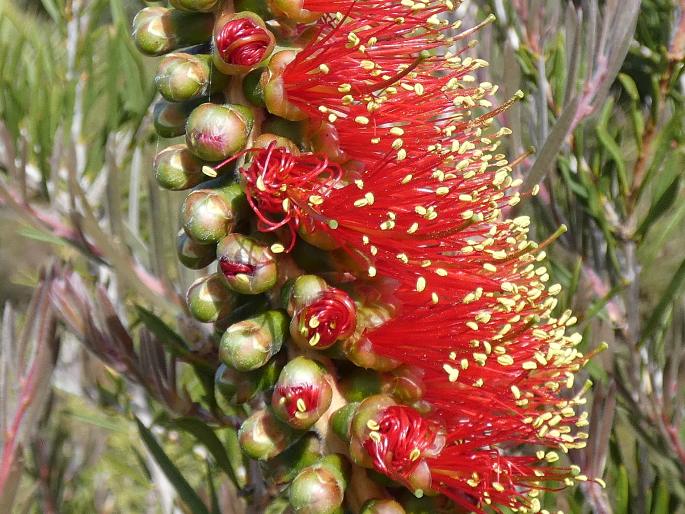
(415, 196)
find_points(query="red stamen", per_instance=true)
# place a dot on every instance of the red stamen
(231, 269)
(242, 42)
(298, 399)
(402, 440)
(330, 318)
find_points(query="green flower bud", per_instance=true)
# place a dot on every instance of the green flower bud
(293, 130)
(266, 140)
(292, 10)
(195, 5)
(249, 267)
(250, 344)
(341, 421)
(382, 506)
(281, 470)
(192, 254)
(216, 132)
(170, 118)
(330, 317)
(423, 505)
(256, 6)
(304, 291)
(404, 383)
(176, 168)
(209, 298)
(252, 87)
(242, 42)
(275, 97)
(278, 506)
(158, 30)
(357, 384)
(239, 387)
(248, 306)
(184, 76)
(209, 215)
(359, 350)
(302, 393)
(262, 436)
(320, 488)
(324, 139)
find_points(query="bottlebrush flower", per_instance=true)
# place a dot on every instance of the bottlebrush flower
(420, 203)
(241, 42)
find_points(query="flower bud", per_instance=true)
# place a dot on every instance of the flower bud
(382, 506)
(341, 421)
(316, 237)
(158, 30)
(304, 290)
(252, 87)
(320, 488)
(404, 383)
(241, 42)
(281, 470)
(170, 118)
(262, 436)
(265, 140)
(357, 384)
(238, 387)
(216, 132)
(293, 130)
(250, 344)
(292, 10)
(195, 5)
(256, 6)
(302, 393)
(275, 97)
(325, 140)
(249, 267)
(176, 168)
(209, 298)
(192, 254)
(359, 350)
(183, 76)
(330, 317)
(396, 440)
(209, 215)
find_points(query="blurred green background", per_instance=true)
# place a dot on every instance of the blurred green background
(604, 113)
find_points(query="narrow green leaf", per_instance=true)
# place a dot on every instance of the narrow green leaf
(545, 161)
(181, 485)
(206, 436)
(663, 309)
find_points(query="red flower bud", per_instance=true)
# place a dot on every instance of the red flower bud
(241, 42)
(329, 318)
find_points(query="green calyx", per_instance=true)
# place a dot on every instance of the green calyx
(158, 30)
(176, 168)
(249, 344)
(192, 254)
(183, 76)
(262, 436)
(382, 506)
(215, 132)
(210, 299)
(209, 215)
(320, 488)
(302, 393)
(249, 267)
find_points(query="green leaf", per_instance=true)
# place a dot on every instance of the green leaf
(206, 436)
(181, 485)
(622, 491)
(662, 311)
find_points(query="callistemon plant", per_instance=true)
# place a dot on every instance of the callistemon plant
(388, 330)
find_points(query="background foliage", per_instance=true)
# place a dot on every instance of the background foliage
(106, 396)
